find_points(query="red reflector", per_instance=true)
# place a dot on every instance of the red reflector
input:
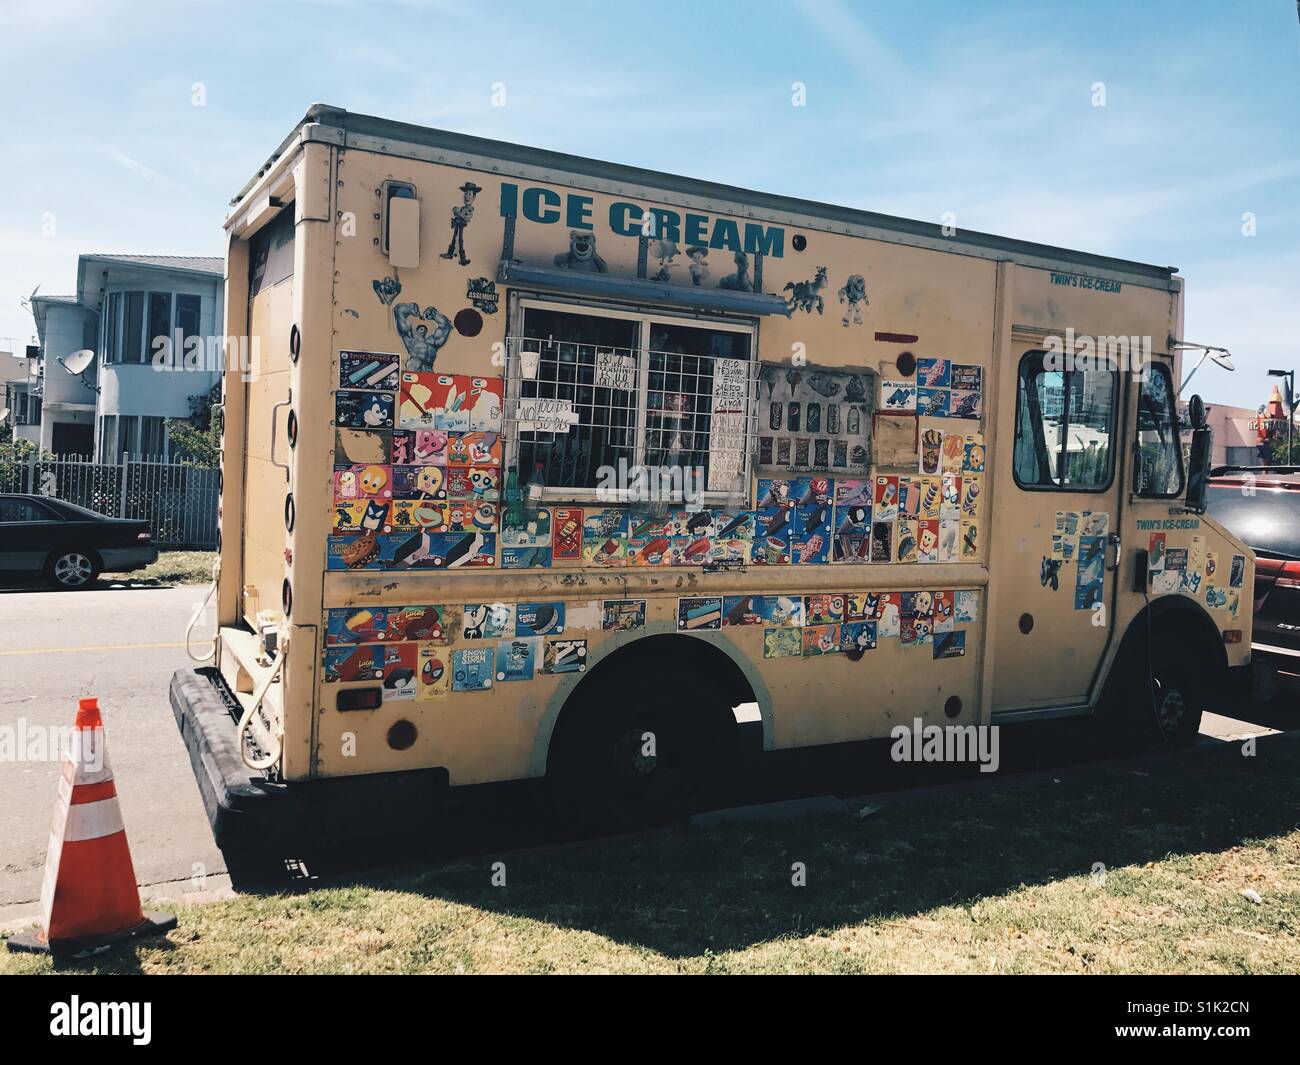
(360, 699)
(1232, 636)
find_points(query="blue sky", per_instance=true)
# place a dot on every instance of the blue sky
(984, 110)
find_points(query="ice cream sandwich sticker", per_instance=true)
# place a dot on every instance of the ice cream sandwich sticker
(517, 659)
(369, 369)
(472, 669)
(539, 619)
(565, 656)
(696, 614)
(426, 624)
(566, 533)
(949, 644)
(401, 663)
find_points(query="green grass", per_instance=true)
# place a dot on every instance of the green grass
(998, 880)
(173, 567)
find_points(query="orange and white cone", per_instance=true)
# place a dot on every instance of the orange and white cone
(89, 899)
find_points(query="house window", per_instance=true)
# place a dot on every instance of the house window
(113, 328)
(160, 322)
(107, 438)
(133, 327)
(128, 435)
(187, 318)
(613, 392)
(1158, 461)
(153, 438)
(1065, 427)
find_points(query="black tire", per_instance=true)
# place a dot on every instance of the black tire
(647, 760)
(72, 570)
(1164, 693)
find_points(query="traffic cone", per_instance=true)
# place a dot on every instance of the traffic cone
(89, 899)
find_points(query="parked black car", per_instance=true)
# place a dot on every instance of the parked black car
(66, 544)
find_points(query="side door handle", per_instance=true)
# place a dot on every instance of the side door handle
(1114, 541)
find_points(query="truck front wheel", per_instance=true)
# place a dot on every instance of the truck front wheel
(1164, 693)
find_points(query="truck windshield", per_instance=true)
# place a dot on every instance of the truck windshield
(1159, 457)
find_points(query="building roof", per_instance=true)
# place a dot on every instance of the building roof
(334, 125)
(204, 264)
(54, 299)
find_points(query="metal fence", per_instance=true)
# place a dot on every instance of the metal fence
(179, 502)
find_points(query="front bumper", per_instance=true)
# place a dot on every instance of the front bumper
(248, 811)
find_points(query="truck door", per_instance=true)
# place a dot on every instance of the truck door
(1059, 451)
(270, 321)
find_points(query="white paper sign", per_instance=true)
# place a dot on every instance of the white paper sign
(546, 415)
(727, 426)
(615, 371)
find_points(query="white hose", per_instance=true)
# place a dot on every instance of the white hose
(246, 719)
(198, 613)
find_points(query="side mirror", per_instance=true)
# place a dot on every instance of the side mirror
(1198, 468)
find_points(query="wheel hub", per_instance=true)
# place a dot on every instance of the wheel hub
(1172, 707)
(72, 569)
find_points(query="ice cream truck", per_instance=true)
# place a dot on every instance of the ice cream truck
(544, 467)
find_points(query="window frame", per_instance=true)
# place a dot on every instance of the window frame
(1039, 354)
(1175, 441)
(645, 318)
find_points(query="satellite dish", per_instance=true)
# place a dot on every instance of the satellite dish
(78, 361)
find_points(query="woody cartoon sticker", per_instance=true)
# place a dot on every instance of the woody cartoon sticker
(461, 216)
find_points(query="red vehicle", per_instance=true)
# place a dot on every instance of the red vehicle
(1261, 505)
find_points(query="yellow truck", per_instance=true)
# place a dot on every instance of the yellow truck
(549, 467)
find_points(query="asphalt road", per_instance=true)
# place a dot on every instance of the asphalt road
(122, 644)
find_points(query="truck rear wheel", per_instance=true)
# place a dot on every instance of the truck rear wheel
(649, 760)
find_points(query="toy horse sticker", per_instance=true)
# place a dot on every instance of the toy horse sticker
(805, 295)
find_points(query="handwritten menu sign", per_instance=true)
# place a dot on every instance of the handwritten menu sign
(615, 371)
(727, 426)
(546, 415)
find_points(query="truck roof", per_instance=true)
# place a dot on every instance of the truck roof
(370, 133)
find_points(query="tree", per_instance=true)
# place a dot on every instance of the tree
(196, 440)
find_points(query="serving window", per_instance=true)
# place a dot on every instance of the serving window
(598, 394)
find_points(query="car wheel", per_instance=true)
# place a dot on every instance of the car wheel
(1166, 695)
(72, 570)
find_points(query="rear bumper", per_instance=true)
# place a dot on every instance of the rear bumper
(122, 559)
(250, 812)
